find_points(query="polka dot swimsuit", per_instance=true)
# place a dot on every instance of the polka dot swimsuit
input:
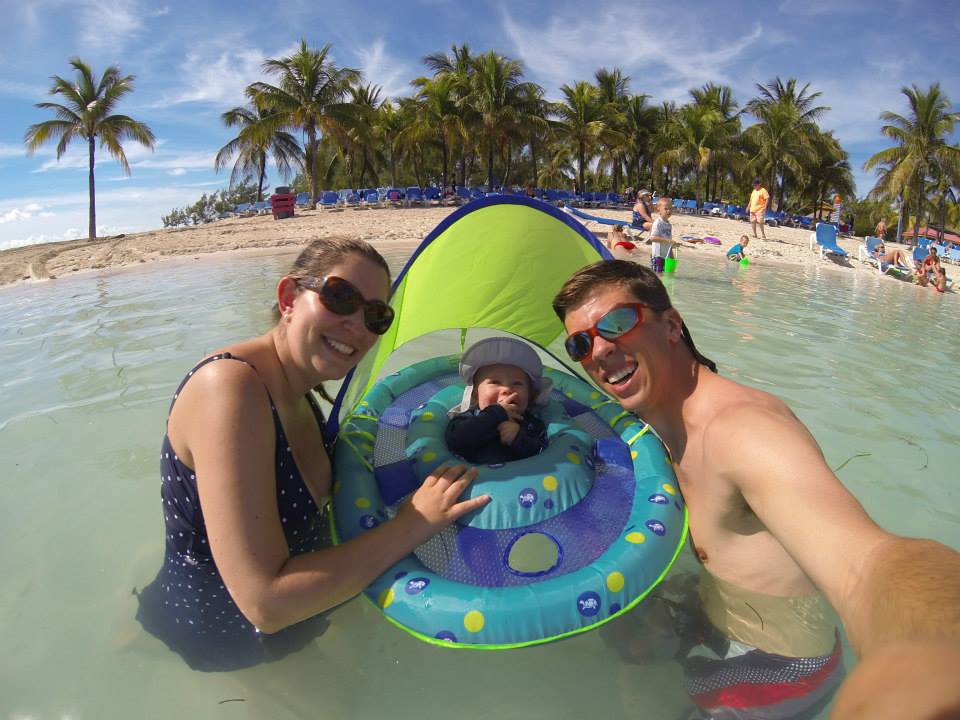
(187, 605)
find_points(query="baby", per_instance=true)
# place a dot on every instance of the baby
(495, 422)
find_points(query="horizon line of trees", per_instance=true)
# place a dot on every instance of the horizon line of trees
(474, 119)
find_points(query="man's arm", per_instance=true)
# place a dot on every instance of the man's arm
(897, 597)
(886, 588)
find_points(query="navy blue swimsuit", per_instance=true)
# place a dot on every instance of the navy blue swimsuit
(187, 605)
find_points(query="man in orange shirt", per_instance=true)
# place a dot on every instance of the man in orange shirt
(758, 208)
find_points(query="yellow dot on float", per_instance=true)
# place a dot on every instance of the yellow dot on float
(427, 416)
(633, 454)
(594, 395)
(668, 488)
(635, 537)
(615, 581)
(386, 597)
(429, 455)
(364, 404)
(550, 483)
(569, 394)
(473, 621)
(668, 460)
(362, 502)
(574, 458)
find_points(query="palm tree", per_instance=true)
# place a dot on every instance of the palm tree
(251, 148)
(459, 66)
(690, 139)
(361, 146)
(640, 124)
(310, 96)
(829, 174)
(786, 122)
(388, 126)
(438, 117)
(496, 102)
(921, 148)
(87, 115)
(584, 119)
(724, 155)
(614, 88)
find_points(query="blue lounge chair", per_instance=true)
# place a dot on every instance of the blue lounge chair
(329, 200)
(825, 240)
(415, 196)
(867, 253)
(432, 195)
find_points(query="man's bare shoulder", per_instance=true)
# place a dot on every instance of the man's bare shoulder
(740, 416)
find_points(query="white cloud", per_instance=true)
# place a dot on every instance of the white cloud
(683, 55)
(108, 23)
(14, 215)
(9, 150)
(178, 171)
(218, 74)
(380, 68)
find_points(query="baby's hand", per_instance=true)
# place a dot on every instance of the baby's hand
(508, 431)
(513, 410)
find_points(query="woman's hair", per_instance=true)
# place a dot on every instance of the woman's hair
(618, 228)
(639, 281)
(319, 257)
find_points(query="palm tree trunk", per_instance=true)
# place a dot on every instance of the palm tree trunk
(533, 159)
(916, 220)
(92, 228)
(443, 147)
(582, 160)
(490, 166)
(260, 178)
(311, 163)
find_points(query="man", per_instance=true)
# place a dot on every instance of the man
(771, 525)
(759, 199)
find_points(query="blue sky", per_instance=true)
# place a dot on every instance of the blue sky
(192, 61)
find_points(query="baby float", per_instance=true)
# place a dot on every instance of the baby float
(573, 536)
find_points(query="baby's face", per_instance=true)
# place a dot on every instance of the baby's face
(506, 385)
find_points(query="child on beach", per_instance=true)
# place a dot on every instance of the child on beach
(661, 235)
(738, 251)
(616, 238)
(495, 422)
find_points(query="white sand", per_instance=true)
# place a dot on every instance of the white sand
(396, 232)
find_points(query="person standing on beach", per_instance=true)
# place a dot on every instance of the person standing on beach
(759, 199)
(246, 476)
(773, 528)
(880, 231)
(661, 235)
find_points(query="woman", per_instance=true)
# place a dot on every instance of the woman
(643, 211)
(617, 238)
(246, 476)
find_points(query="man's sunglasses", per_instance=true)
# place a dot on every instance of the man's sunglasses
(341, 297)
(616, 323)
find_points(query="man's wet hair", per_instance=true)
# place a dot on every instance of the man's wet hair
(639, 281)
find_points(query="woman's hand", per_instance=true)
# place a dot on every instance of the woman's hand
(435, 504)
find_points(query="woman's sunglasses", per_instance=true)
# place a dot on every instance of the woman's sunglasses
(341, 297)
(616, 323)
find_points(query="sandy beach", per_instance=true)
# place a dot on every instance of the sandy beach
(396, 232)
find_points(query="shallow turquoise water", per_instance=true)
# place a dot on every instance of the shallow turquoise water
(89, 366)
